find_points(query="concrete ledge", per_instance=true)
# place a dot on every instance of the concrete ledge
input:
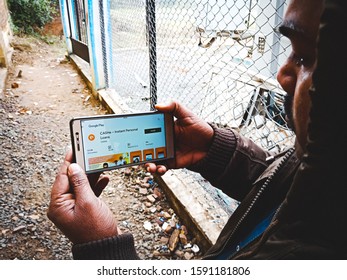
(82, 68)
(113, 102)
(194, 205)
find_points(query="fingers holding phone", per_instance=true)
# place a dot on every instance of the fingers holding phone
(193, 138)
(153, 168)
(98, 181)
(75, 209)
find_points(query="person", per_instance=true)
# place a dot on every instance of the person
(292, 205)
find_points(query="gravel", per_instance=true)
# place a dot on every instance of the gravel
(42, 93)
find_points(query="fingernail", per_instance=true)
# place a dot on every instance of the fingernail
(68, 148)
(75, 168)
(160, 105)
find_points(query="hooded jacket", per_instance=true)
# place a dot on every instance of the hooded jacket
(311, 222)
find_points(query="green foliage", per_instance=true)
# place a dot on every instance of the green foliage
(28, 15)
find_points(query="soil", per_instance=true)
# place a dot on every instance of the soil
(42, 93)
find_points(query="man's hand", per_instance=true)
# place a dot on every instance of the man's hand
(193, 137)
(75, 208)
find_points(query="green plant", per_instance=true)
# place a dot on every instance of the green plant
(28, 15)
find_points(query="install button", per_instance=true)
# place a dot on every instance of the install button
(152, 130)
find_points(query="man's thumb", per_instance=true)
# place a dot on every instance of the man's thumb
(78, 180)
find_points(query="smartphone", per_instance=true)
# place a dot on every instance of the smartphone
(106, 142)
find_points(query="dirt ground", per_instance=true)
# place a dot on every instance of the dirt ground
(42, 93)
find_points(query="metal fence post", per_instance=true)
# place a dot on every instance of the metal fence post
(67, 23)
(99, 42)
(152, 45)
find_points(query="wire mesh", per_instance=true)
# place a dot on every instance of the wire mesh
(211, 55)
(218, 57)
(130, 52)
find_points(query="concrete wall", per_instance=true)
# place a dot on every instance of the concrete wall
(5, 35)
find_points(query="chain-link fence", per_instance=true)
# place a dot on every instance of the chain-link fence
(218, 57)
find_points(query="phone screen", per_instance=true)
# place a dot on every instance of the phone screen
(113, 142)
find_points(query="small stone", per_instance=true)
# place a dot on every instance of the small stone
(188, 256)
(164, 226)
(19, 228)
(14, 85)
(160, 222)
(184, 229)
(156, 253)
(151, 198)
(179, 253)
(147, 225)
(148, 204)
(166, 215)
(34, 217)
(164, 240)
(172, 223)
(195, 248)
(174, 239)
(169, 229)
(145, 180)
(127, 172)
(4, 231)
(143, 191)
(158, 193)
(183, 239)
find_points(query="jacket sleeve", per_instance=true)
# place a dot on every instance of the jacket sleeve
(233, 162)
(119, 247)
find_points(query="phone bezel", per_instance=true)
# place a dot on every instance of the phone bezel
(77, 145)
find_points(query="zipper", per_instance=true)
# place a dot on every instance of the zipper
(287, 153)
(261, 239)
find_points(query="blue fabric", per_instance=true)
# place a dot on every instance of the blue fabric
(256, 232)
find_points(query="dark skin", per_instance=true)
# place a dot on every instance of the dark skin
(75, 207)
(75, 204)
(193, 137)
